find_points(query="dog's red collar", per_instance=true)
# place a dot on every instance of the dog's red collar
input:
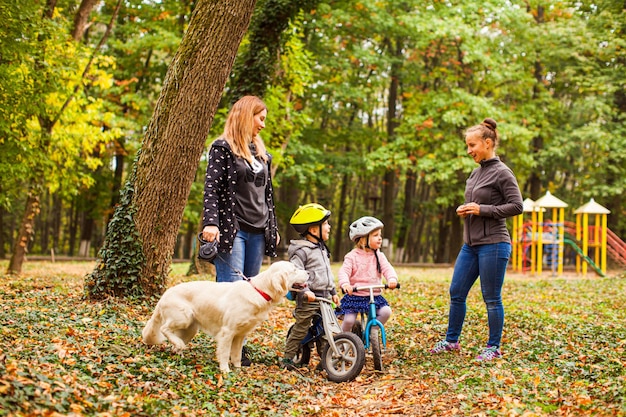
(263, 294)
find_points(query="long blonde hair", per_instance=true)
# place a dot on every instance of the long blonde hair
(239, 128)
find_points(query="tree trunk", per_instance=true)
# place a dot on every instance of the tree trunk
(86, 231)
(258, 66)
(289, 197)
(73, 227)
(408, 212)
(81, 17)
(2, 240)
(26, 232)
(390, 178)
(176, 136)
(537, 142)
(120, 154)
(340, 230)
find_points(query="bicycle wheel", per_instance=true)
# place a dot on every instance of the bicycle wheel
(376, 344)
(349, 363)
(303, 355)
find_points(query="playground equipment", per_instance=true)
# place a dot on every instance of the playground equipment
(542, 241)
(599, 232)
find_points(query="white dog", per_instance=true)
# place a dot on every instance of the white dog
(228, 311)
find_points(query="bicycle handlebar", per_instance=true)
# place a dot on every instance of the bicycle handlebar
(373, 287)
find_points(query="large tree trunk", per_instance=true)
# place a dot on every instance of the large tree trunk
(176, 136)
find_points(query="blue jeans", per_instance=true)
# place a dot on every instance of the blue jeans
(489, 262)
(246, 257)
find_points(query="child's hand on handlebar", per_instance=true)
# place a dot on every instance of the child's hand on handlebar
(310, 297)
(347, 288)
(392, 284)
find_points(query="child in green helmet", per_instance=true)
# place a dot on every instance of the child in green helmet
(311, 254)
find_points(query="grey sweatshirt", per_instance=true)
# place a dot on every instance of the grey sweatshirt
(314, 259)
(493, 186)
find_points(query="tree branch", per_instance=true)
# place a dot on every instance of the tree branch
(90, 62)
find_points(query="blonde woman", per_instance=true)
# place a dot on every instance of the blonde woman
(238, 195)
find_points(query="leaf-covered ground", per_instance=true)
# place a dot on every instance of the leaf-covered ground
(564, 354)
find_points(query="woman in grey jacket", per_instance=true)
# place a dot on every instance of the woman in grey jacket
(491, 195)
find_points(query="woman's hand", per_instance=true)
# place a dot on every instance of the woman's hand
(336, 299)
(466, 209)
(210, 233)
(310, 296)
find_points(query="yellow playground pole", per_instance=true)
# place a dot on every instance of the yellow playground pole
(579, 238)
(558, 217)
(561, 237)
(599, 234)
(533, 246)
(520, 236)
(585, 241)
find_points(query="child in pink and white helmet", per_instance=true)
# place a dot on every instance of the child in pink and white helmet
(365, 265)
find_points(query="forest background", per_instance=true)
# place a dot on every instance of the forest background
(368, 101)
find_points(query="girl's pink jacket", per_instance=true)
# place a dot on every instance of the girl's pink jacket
(359, 268)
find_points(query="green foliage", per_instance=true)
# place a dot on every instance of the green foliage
(121, 258)
(563, 347)
(552, 74)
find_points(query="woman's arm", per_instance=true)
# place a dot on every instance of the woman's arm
(214, 185)
(512, 203)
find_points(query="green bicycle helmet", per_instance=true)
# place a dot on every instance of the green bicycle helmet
(308, 215)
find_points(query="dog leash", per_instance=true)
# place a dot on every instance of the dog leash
(245, 278)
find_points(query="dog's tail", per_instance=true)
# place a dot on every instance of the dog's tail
(151, 333)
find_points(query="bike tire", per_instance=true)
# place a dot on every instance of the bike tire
(376, 344)
(350, 364)
(303, 355)
(357, 329)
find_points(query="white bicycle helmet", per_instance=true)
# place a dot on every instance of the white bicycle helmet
(364, 226)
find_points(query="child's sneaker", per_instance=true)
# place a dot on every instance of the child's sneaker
(445, 346)
(489, 353)
(289, 364)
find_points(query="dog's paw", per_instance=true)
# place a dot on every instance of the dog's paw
(178, 349)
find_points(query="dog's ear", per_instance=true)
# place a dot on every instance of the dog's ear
(280, 277)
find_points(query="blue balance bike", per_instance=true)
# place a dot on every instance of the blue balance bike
(370, 329)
